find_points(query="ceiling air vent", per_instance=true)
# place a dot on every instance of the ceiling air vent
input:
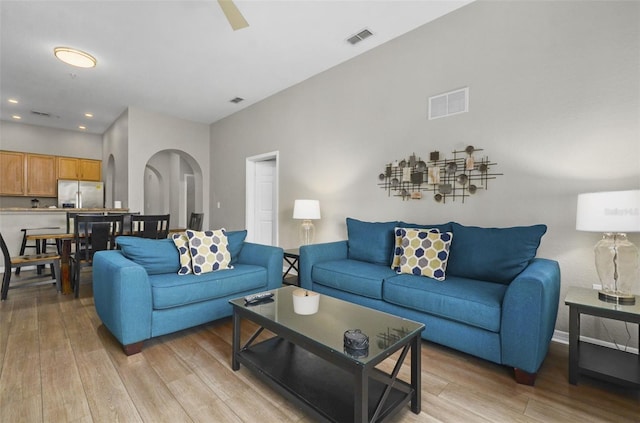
(236, 100)
(43, 114)
(355, 39)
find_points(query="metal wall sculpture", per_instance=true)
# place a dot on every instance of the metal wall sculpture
(455, 179)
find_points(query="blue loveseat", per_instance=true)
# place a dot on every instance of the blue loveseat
(139, 295)
(497, 300)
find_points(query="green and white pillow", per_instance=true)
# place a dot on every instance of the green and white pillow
(181, 240)
(209, 251)
(425, 253)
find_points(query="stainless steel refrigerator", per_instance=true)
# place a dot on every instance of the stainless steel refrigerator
(80, 194)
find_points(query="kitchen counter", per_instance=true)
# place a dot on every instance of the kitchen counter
(58, 209)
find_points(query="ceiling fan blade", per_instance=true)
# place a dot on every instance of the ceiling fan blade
(235, 18)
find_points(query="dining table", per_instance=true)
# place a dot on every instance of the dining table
(66, 240)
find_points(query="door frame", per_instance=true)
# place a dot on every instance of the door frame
(251, 163)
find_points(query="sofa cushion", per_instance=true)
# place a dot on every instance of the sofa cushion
(236, 241)
(493, 254)
(463, 300)
(170, 290)
(357, 277)
(371, 242)
(424, 252)
(209, 251)
(181, 241)
(155, 255)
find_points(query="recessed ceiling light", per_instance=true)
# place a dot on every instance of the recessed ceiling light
(16, 117)
(89, 115)
(13, 101)
(82, 127)
(75, 57)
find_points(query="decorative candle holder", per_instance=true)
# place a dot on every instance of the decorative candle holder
(305, 302)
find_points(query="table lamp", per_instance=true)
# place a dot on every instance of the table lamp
(614, 213)
(306, 210)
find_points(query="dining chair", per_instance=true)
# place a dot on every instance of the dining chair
(195, 221)
(52, 259)
(154, 226)
(93, 233)
(127, 220)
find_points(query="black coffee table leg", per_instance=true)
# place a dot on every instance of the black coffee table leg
(235, 365)
(416, 383)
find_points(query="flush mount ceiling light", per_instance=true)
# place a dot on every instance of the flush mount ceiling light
(75, 57)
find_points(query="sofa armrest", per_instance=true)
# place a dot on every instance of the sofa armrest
(318, 253)
(122, 296)
(266, 256)
(529, 312)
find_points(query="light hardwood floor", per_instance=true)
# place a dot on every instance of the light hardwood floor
(59, 364)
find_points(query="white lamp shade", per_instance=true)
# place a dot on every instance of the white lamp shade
(613, 211)
(306, 209)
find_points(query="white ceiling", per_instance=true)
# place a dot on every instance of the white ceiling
(180, 58)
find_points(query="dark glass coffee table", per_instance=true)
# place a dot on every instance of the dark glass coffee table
(306, 361)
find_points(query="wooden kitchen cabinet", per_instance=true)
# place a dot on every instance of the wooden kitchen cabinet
(81, 169)
(41, 175)
(90, 170)
(12, 173)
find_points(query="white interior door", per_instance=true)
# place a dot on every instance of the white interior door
(262, 199)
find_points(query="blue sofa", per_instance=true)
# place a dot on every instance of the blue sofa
(497, 300)
(139, 295)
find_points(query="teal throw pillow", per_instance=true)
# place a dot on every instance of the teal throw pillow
(155, 255)
(236, 241)
(493, 254)
(371, 242)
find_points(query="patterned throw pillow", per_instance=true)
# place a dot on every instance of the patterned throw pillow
(209, 251)
(397, 249)
(425, 253)
(181, 240)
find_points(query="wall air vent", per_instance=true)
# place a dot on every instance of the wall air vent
(236, 100)
(355, 39)
(448, 104)
(42, 114)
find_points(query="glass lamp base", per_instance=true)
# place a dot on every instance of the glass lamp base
(307, 232)
(617, 297)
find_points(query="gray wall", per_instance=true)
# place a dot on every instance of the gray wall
(116, 148)
(554, 100)
(57, 142)
(150, 133)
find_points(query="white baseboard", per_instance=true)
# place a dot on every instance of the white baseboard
(563, 338)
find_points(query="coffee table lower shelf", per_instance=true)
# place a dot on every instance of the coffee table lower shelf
(316, 385)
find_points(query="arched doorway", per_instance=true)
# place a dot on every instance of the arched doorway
(173, 184)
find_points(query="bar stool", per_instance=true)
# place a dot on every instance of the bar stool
(40, 247)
